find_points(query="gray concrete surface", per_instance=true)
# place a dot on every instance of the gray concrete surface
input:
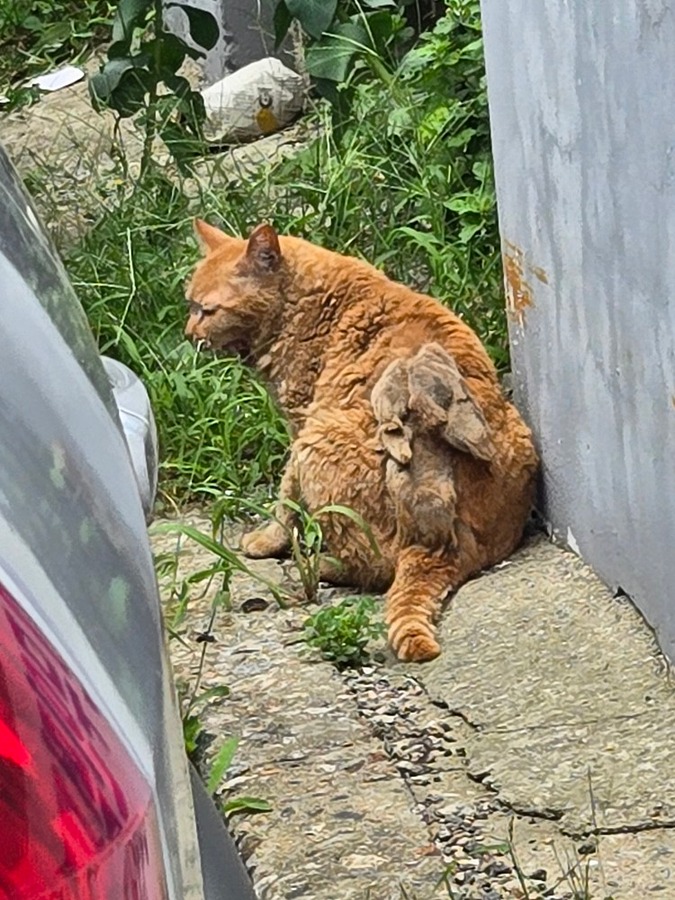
(585, 175)
(540, 742)
(571, 712)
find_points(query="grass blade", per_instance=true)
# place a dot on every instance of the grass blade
(221, 764)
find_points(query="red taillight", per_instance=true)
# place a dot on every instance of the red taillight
(76, 816)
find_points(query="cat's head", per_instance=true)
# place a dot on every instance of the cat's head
(234, 293)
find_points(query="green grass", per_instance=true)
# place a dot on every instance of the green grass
(219, 432)
(406, 183)
(36, 35)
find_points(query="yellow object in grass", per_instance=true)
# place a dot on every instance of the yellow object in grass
(267, 121)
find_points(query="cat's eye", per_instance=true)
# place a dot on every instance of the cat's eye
(196, 309)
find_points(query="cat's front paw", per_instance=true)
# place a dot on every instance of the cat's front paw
(271, 541)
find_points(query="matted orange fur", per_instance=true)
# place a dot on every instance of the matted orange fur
(395, 410)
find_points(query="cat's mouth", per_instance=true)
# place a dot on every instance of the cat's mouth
(226, 349)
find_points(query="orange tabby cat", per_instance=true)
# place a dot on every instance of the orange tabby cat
(395, 410)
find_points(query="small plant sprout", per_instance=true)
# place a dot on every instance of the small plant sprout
(221, 763)
(227, 560)
(342, 633)
(306, 539)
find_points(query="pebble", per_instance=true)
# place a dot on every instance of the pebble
(587, 848)
(499, 868)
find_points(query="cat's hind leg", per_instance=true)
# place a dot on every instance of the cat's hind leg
(274, 539)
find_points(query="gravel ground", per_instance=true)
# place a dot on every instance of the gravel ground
(374, 788)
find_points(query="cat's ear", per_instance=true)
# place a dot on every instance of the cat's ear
(210, 238)
(263, 249)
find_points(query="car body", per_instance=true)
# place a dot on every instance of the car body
(97, 799)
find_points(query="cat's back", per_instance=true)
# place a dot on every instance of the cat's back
(381, 320)
(368, 304)
(357, 321)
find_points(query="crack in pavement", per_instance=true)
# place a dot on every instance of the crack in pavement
(458, 811)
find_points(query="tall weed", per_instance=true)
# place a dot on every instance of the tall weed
(219, 431)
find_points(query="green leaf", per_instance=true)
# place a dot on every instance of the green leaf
(53, 36)
(475, 49)
(460, 138)
(331, 57)
(315, 16)
(222, 552)
(118, 50)
(168, 51)
(482, 170)
(281, 23)
(221, 763)
(181, 88)
(428, 242)
(128, 95)
(328, 89)
(192, 728)
(246, 804)
(130, 14)
(219, 690)
(464, 203)
(104, 82)
(205, 541)
(382, 26)
(468, 230)
(203, 25)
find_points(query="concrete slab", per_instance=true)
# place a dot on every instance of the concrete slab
(475, 768)
(341, 825)
(570, 706)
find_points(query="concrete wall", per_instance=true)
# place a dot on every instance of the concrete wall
(582, 99)
(246, 33)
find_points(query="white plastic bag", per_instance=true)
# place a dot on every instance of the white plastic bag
(259, 99)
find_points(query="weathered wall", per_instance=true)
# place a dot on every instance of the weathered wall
(582, 99)
(246, 33)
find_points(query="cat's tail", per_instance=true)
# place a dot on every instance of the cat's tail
(423, 578)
